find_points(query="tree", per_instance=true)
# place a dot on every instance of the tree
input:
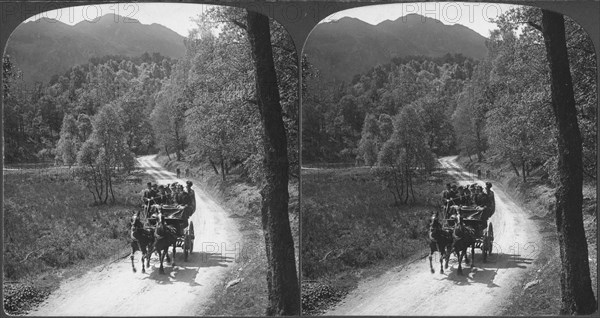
(282, 280)
(406, 153)
(576, 289)
(104, 153)
(68, 144)
(220, 119)
(368, 146)
(167, 118)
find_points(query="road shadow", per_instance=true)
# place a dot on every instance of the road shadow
(485, 272)
(186, 272)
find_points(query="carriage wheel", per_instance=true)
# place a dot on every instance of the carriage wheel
(188, 244)
(485, 247)
(490, 233)
(191, 235)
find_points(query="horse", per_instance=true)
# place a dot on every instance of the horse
(463, 237)
(142, 240)
(165, 236)
(440, 240)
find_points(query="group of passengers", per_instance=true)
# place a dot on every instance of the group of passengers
(170, 194)
(470, 195)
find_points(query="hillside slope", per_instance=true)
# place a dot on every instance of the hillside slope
(340, 49)
(46, 47)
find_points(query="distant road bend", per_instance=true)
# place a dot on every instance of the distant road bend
(414, 290)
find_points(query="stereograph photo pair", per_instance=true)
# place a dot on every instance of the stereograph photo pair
(171, 137)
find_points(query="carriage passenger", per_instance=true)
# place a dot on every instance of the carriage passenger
(491, 200)
(191, 200)
(161, 196)
(479, 199)
(146, 192)
(468, 199)
(446, 194)
(179, 197)
(462, 199)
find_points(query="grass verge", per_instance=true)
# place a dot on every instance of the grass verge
(52, 232)
(352, 230)
(538, 293)
(243, 291)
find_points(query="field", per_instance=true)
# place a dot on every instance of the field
(351, 229)
(51, 230)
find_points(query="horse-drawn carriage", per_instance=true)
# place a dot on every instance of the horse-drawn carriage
(167, 225)
(474, 217)
(175, 216)
(457, 227)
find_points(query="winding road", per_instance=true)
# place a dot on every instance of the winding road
(412, 290)
(185, 289)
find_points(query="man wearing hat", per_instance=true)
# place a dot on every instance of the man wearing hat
(479, 198)
(148, 196)
(447, 194)
(490, 200)
(162, 195)
(462, 198)
(191, 200)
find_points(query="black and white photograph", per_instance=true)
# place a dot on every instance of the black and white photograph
(449, 162)
(150, 162)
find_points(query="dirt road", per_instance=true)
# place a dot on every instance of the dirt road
(412, 290)
(114, 290)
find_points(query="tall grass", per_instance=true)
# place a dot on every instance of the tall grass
(350, 222)
(351, 225)
(49, 223)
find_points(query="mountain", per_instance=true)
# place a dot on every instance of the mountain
(340, 49)
(46, 47)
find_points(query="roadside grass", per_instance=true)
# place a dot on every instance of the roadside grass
(542, 297)
(247, 293)
(351, 230)
(51, 231)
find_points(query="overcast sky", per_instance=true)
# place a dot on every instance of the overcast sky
(476, 16)
(177, 17)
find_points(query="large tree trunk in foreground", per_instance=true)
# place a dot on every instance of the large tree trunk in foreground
(576, 289)
(282, 281)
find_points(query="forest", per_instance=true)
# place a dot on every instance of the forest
(98, 116)
(415, 108)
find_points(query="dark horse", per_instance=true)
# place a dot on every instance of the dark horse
(440, 240)
(141, 240)
(165, 236)
(463, 237)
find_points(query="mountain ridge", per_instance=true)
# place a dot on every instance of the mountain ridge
(46, 47)
(348, 46)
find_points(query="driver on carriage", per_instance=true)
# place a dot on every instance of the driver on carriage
(148, 197)
(449, 198)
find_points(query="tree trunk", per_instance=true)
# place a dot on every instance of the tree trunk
(222, 168)
(576, 289)
(523, 171)
(282, 279)
(512, 164)
(112, 194)
(214, 166)
(167, 151)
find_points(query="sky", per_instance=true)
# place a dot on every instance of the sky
(177, 17)
(476, 16)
